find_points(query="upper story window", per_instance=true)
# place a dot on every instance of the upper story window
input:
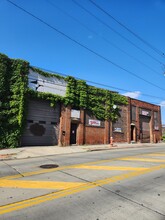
(121, 124)
(156, 121)
(145, 112)
(133, 113)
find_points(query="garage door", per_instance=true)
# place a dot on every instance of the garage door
(42, 126)
(145, 129)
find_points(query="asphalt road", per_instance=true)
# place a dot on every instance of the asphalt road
(120, 184)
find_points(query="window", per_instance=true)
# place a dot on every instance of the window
(30, 121)
(53, 123)
(91, 120)
(156, 121)
(118, 126)
(133, 113)
(42, 122)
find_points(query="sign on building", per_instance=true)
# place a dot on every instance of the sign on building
(75, 113)
(145, 112)
(117, 130)
(94, 122)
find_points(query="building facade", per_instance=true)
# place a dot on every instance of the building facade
(41, 108)
(138, 122)
(145, 121)
(64, 125)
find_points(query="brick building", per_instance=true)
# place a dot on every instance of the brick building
(62, 125)
(145, 121)
(48, 109)
(139, 122)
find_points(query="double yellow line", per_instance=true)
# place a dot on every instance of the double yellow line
(55, 195)
(72, 188)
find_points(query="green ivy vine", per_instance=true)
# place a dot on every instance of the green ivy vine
(14, 94)
(46, 74)
(99, 101)
(13, 89)
(53, 99)
(76, 93)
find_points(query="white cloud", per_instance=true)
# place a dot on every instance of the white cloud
(162, 104)
(133, 95)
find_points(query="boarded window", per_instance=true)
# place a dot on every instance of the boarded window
(133, 113)
(91, 120)
(118, 126)
(156, 121)
(145, 112)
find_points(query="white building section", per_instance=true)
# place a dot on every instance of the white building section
(41, 83)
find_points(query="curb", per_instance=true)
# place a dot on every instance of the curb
(13, 156)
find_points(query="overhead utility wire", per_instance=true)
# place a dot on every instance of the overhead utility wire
(36, 80)
(95, 83)
(112, 29)
(53, 83)
(129, 30)
(85, 47)
(61, 90)
(105, 39)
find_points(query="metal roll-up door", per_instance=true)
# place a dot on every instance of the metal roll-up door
(42, 126)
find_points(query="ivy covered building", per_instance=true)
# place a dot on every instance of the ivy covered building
(40, 108)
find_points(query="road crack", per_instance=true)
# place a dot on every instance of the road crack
(133, 201)
(116, 193)
(14, 169)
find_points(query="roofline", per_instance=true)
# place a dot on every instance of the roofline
(144, 101)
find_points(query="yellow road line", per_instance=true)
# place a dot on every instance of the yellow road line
(143, 159)
(156, 154)
(38, 200)
(38, 172)
(38, 184)
(111, 168)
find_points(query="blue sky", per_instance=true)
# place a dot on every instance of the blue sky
(95, 48)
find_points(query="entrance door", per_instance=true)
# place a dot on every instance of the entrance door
(133, 133)
(145, 129)
(73, 133)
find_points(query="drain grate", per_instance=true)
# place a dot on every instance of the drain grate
(49, 166)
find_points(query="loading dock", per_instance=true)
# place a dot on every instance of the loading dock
(42, 126)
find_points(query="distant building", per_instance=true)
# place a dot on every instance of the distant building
(163, 129)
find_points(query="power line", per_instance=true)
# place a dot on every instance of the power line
(116, 32)
(61, 90)
(85, 47)
(128, 29)
(35, 81)
(94, 83)
(105, 39)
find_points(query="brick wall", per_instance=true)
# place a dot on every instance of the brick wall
(142, 104)
(122, 123)
(121, 130)
(155, 135)
(94, 135)
(65, 126)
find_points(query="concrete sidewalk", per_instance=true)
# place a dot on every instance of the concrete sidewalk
(39, 151)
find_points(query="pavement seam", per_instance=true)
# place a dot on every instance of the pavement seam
(51, 196)
(38, 172)
(133, 201)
